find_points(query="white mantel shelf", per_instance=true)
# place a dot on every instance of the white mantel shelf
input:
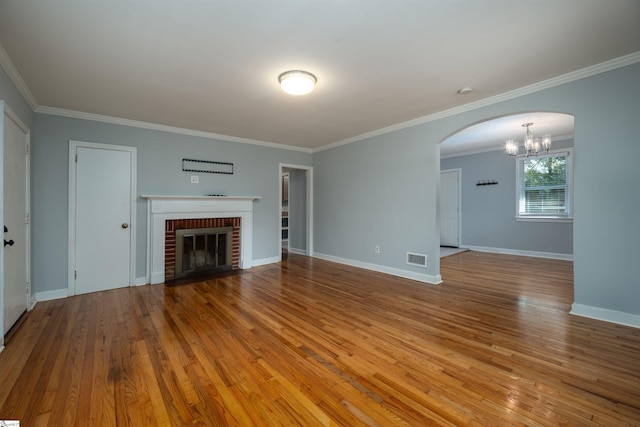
(161, 208)
(169, 197)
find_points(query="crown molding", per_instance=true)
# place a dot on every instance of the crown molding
(163, 128)
(16, 78)
(593, 70)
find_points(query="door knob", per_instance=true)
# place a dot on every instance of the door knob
(9, 242)
(125, 225)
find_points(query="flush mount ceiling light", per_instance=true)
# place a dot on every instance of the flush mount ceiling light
(532, 145)
(297, 82)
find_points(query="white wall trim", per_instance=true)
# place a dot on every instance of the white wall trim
(420, 277)
(265, 261)
(525, 90)
(606, 315)
(16, 78)
(536, 254)
(51, 295)
(163, 128)
(141, 281)
(298, 251)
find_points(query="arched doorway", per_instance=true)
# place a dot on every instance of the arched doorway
(490, 181)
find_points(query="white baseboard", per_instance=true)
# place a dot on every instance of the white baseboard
(536, 254)
(50, 295)
(265, 261)
(298, 251)
(420, 277)
(619, 317)
(139, 281)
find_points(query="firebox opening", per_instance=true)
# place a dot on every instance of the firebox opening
(203, 250)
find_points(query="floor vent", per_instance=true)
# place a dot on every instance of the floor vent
(416, 259)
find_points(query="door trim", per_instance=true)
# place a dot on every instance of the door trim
(5, 109)
(459, 172)
(73, 147)
(309, 231)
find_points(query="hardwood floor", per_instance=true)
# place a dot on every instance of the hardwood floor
(308, 342)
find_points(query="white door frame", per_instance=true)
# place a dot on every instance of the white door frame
(459, 172)
(309, 236)
(4, 108)
(73, 146)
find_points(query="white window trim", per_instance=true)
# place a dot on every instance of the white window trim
(545, 218)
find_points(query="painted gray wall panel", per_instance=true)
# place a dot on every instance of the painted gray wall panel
(380, 192)
(488, 212)
(160, 154)
(383, 190)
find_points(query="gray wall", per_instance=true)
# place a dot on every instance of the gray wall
(256, 173)
(383, 190)
(488, 212)
(379, 192)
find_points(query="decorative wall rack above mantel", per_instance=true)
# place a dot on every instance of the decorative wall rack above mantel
(489, 182)
(207, 166)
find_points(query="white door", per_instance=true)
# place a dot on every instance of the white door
(102, 188)
(15, 220)
(450, 208)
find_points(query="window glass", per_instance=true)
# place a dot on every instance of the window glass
(544, 186)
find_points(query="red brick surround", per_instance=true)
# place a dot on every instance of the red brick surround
(172, 225)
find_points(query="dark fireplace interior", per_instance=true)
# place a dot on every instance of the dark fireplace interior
(203, 250)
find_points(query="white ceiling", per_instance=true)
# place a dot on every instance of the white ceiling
(492, 135)
(212, 66)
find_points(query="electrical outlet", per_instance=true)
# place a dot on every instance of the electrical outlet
(195, 179)
(377, 249)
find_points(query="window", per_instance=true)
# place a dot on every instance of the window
(544, 186)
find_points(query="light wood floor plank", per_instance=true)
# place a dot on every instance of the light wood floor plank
(310, 342)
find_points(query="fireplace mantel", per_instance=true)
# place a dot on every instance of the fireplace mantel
(163, 207)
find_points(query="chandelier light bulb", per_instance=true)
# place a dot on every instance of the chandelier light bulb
(297, 82)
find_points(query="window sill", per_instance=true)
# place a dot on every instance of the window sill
(544, 219)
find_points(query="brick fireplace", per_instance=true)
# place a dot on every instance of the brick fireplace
(163, 210)
(172, 225)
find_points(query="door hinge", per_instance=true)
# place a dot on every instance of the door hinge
(26, 149)
(26, 218)
(27, 286)
(76, 157)
(75, 274)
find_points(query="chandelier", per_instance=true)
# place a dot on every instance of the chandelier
(532, 146)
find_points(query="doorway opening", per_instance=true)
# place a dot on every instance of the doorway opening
(490, 207)
(295, 210)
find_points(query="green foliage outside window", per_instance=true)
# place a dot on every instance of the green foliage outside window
(545, 186)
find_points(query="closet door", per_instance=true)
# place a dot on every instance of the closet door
(16, 244)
